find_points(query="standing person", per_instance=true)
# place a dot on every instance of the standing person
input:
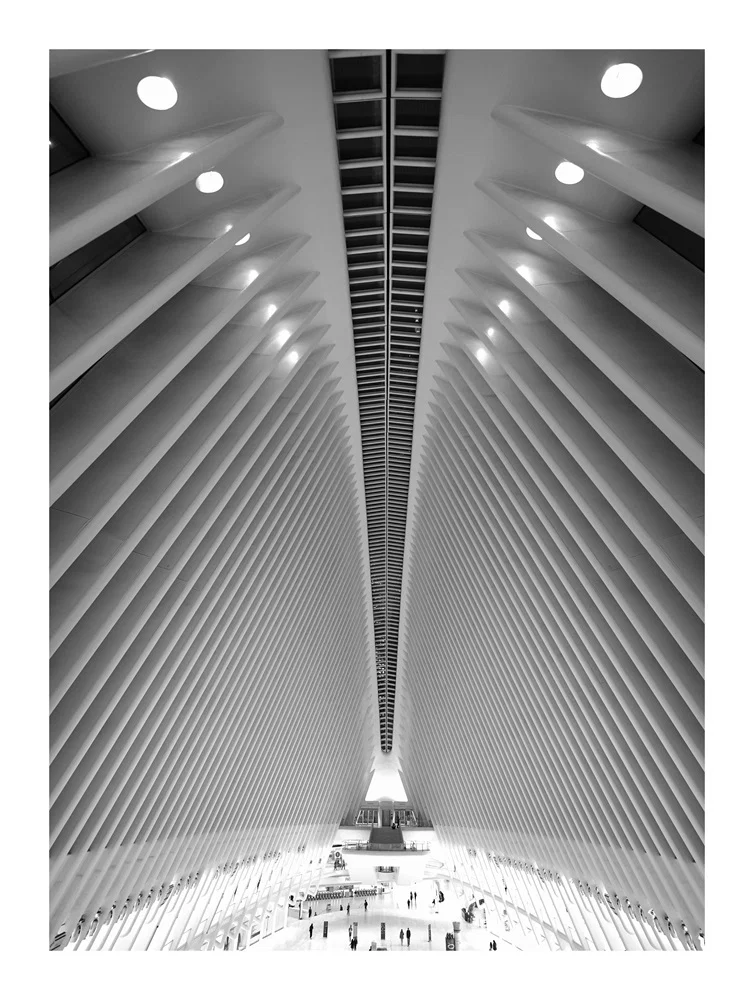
(494, 945)
(408, 903)
(401, 937)
(310, 913)
(408, 936)
(348, 910)
(414, 897)
(350, 932)
(365, 906)
(311, 931)
(355, 943)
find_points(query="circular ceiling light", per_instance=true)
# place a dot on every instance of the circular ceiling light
(244, 239)
(209, 182)
(568, 173)
(481, 355)
(157, 92)
(532, 234)
(621, 80)
(490, 331)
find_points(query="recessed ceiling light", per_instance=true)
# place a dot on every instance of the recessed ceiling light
(253, 275)
(481, 355)
(491, 329)
(209, 182)
(157, 92)
(568, 173)
(292, 357)
(283, 336)
(271, 310)
(621, 80)
(534, 236)
(244, 239)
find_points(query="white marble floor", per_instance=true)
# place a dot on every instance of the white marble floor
(390, 908)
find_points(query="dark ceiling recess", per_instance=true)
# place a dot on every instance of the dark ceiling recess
(685, 243)
(65, 147)
(387, 160)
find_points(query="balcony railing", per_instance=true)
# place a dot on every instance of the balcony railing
(364, 845)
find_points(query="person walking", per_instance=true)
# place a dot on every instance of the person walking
(408, 936)
(494, 945)
(401, 937)
(355, 943)
(350, 932)
(310, 913)
(408, 903)
(341, 907)
(311, 931)
(348, 910)
(365, 906)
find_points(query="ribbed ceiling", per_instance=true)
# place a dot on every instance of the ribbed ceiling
(387, 116)
(245, 434)
(552, 656)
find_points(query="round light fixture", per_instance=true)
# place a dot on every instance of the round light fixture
(283, 336)
(481, 355)
(209, 182)
(244, 239)
(157, 92)
(293, 357)
(490, 331)
(532, 234)
(271, 310)
(568, 173)
(621, 80)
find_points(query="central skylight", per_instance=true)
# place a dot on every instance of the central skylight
(387, 117)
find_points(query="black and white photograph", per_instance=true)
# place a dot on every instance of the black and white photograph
(376, 509)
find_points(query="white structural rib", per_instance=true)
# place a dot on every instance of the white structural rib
(91, 197)
(551, 677)
(656, 284)
(209, 586)
(666, 176)
(107, 305)
(628, 352)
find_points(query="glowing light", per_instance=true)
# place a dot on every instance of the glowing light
(209, 182)
(292, 358)
(551, 221)
(490, 331)
(253, 275)
(271, 310)
(283, 336)
(157, 92)
(621, 80)
(504, 306)
(244, 239)
(532, 234)
(481, 355)
(526, 273)
(569, 173)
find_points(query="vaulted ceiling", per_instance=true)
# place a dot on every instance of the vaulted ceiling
(389, 475)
